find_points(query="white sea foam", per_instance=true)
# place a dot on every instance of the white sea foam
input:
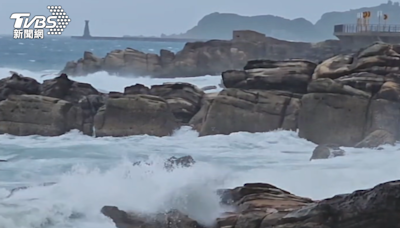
(93, 172)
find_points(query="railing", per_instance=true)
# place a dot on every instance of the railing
(366, 28)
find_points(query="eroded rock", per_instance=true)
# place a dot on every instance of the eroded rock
(18, 85)
(135, 115)
(184, 99)
(289, 75)
(170, 219)
(326, 151)
(234, 110)
(377, 138)
(38, 115)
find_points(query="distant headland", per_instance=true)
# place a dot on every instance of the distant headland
(221, 25)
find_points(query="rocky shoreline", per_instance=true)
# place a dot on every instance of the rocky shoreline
(200, 58)
(262, 205)
(346, 100)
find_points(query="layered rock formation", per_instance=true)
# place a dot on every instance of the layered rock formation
(346, 100)
(60, 105)
(259, 205)
(200, 58)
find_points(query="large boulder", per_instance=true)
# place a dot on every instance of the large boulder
(338, 112)
(256, 202)
(329, 118)
(17, 85)
(376, 138)
(326, 151)
(87, 65)
(62, 87)
(234, 110)
(38, 115)
(184, 99)
(135, 115)
(289, 75)
(80, 94)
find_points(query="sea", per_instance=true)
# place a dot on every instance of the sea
(93, 172)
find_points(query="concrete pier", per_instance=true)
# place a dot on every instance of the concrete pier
(353, 36)
(87, 36)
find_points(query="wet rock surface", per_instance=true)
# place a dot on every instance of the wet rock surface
(326, 151)
(259, 205)
(170, 219)
(348, 100)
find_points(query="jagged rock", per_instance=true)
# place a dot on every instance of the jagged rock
(235, 110)
(290, 75)
(199, 58)
(377, 138)
(80, 94)
(137, 89)
(378, 58)
(135, 115)
(183, 98)
(372, 208)
(255, 202)
(333, 67)
(266, 206)
(87, 65)
(170, 219)
(326, 151)
(64, 88)
(38, 115)
(18, 85)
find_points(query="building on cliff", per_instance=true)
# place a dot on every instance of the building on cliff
(362, 33)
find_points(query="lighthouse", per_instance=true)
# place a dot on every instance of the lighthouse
(86, 32)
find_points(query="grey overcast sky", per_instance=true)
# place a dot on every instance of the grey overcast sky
(153, 17)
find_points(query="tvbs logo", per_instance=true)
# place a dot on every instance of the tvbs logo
(56, 23)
